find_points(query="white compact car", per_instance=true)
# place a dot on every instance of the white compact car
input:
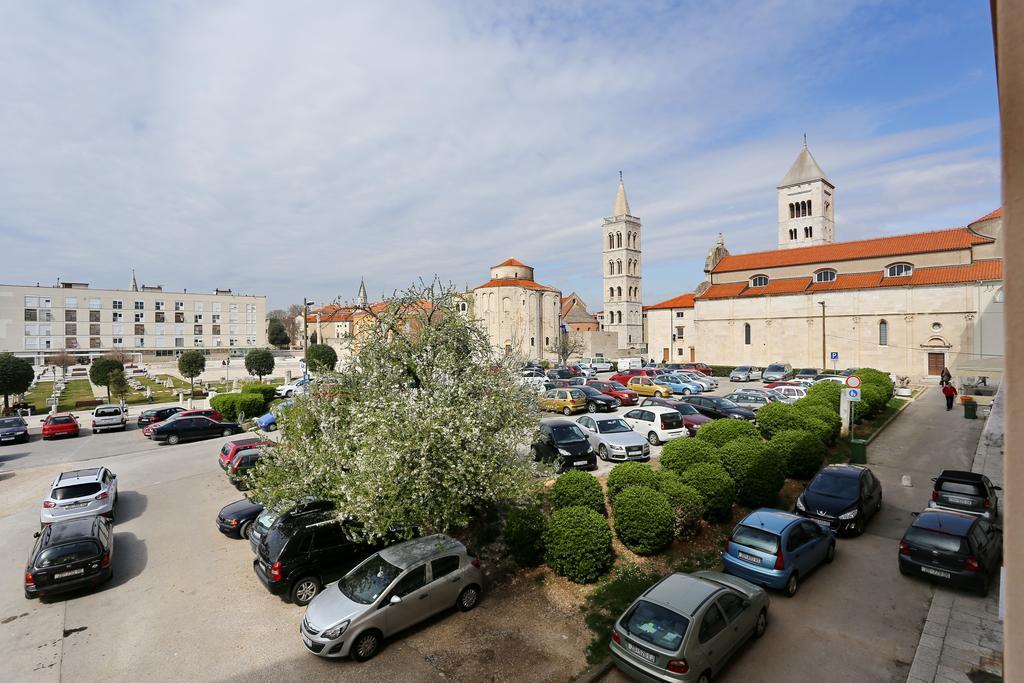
(109, 416)
(657, 423)
(80, 493)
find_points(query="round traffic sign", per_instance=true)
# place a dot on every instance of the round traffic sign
(853, 381)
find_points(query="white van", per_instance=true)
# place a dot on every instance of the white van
(629, 364)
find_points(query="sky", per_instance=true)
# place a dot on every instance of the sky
(290, 149)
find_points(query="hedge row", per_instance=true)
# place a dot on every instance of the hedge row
(231, 406)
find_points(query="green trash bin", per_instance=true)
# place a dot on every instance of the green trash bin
(858, 451)
(971, 410)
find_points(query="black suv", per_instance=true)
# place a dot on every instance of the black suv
(562, 441)
(966, 492)
(154, 415)
(844, 497)
(303, 552)
(716, 407)
(70, 555)
(192, 428)
(955, 548)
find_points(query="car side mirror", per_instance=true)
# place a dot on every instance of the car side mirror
(36, 535)
(997, 488)
(915, 514)
(395, 599)
(934, 478)
(747, 603)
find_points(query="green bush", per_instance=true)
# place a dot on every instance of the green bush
(722, 370)
(321, 357)
(870, 377)
(686, 503)
(715, 487)
(680, 455)
(763, 481)
(577, 488)
(824, 392)
(231, 406)
(776, 417)
(578, 544)
(800, 450)
(820, 411)
(643, 519)
(738, 456)
(721, 432)
(524, 535)
(630, 474)
(267, 391)
(872, 401)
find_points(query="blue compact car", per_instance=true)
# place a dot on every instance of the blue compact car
(777, 549)
(679, 385)
(268, 422)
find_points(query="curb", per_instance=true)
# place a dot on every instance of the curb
(595, 672)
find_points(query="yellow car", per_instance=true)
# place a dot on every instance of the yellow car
(566, 401)
(645, 386)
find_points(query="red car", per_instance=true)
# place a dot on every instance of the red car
(623, 377)
(230, 449)
(787, 383)
(60, 424)
(691, 418)
(616, 390)
(702, 368)
(199, 412)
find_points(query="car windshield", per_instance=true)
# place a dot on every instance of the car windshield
(567, 434)
(75, 491)
(655, 624)
(960, 487)
(671, 420)
(365, 583)
(836, 486)
(743, 368)
(266, 519)
(613, 426)
(776, 368)
(7, 422)
(686, 409)
(933, 540)
(724, 403)
(618, 386)
(758, 539)
(108, 412)
(65, 420)
(808, 371)
(576, 395)
(590, 391)
(68, 553)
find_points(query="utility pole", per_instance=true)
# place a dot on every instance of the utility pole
(306, 303)
(823, 355)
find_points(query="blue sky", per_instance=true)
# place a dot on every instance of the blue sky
(289, 149)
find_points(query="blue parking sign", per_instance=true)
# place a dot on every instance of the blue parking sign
(833, 355)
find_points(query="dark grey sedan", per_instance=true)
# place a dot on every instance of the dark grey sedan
(13, 429)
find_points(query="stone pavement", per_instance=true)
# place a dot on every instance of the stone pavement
(963, 634)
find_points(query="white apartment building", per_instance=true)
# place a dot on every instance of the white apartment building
(37, 322)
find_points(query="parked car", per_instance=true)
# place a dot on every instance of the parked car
(770, 394)
(70, 555)
(954, 548)
(597, 401)
(300, 554)
(790, 394)
(657, 423)
(699, 367)
(686, 627)
(645, 386)
(566, 400)
(624, 376)
(706, 382)
(562, 441)
(678, 385)
(806, 373)
(211, 413)
(307, 506)
(154, 415)
(268, 421)
(394, 589)
(599, 364)
(13, 429)
(692, 418)
(716, 407)
(745, 373)
(838, 379)
(613, 438)
(193, 428)
(559, 373)
(576, 381)
(965, 492)
(238, 518)
(622, 395)
(584, 371)
(59, 424)
(109, 416)
(230, 448)
(80, 493)
(776, 372)
(843, 497)
(777, 549)
(752, 401)
(243, 461)
(533, 372)
(628, 363)
(574, 370)
(299, 387)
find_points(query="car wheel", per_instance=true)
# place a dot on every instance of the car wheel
(536, 453)
(173, 439)
(858, 526)
(567, 411)
(228, 432)
(686, 392)
(602, 453)
(792, 585)
(366, 646)
(704, 678)
(652, 439)
(761, 624)
(468, 598)
(243, 531)
(831, 554)
(288, 394)
(659, 394)
(591, 407)
(304, 590)
(878, 507)
(618, 403)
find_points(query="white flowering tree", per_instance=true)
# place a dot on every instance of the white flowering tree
(423, 428)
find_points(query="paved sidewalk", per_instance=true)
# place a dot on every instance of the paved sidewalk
(963, 633)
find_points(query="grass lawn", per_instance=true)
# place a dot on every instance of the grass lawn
(75, 390)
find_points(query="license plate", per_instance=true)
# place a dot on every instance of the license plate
(749, 558)
(640, 652)
(935, 572)
(72, 506)
(959, 501)
(579, 462)
(73, 572)
(6, 438)
(307, 641)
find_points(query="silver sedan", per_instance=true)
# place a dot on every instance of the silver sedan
(613, 438)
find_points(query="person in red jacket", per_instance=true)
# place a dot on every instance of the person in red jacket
(950, 393)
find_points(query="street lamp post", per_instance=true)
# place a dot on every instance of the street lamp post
(306, 303)
(822, 304)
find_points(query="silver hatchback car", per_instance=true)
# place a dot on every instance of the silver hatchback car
(389, 591)
(686, 627)
(613, 438)
(80, 493)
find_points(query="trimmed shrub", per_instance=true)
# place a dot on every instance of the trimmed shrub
(686, 503)
(680, 455)
(872, 401)
(231, 406)
(630, 474)
(739, 456)
(578, 544)
(721, 432)
(643, 519)
(267, 391)
(801, 452)
(715, 487)
(524, 535)
(819, 411)
(321, 357)
(825, 392)
(577, 488)
(776, 417)
(763, 481)
(870, 377)
(722, 370)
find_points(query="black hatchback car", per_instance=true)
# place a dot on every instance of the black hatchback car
(562, 441)
(596, 400)
(192, 429)
(953, 548)
(716, 407)
(69, 556)
(302, 553)
(965, 492)
(844, 497)
(157, 415)
(236, 519)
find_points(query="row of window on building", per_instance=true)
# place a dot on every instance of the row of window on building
(616, 292)
(71, 343)
(808, 233)
(95, 303)
(883, 332)
(632, 240)
(632, 267)
(829, 275)
(800, 209)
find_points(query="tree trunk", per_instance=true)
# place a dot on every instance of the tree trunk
(7, 405)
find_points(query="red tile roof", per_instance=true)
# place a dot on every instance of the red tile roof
(898, 245)
(511, 262)
(998, 213)
(515, 282)
(985, 270)
(681, 301)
